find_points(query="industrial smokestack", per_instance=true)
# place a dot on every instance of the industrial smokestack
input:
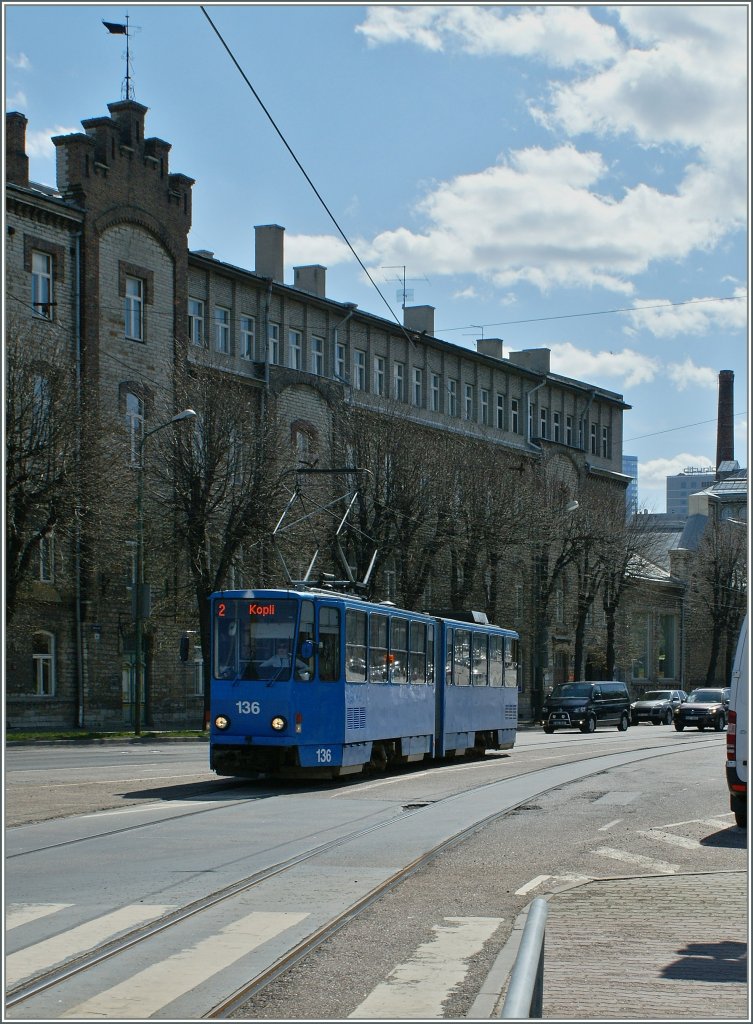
(725, 443)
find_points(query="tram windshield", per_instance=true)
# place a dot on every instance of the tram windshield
(254, 639)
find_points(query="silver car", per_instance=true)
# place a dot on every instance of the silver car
(657, 706)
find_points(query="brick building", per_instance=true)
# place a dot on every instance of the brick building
(101, 262)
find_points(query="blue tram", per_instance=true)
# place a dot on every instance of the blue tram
(314, 682)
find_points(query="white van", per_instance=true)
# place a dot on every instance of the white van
(737, 731)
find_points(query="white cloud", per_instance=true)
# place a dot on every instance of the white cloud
(307, 250)
(697, 317)
(19, 61)
(687, 374)
(561, 35)
(653, 472)
(38, 144)
(628, 368)
(17, 101)
(544, 216)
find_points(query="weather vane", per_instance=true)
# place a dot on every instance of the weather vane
(116, 29)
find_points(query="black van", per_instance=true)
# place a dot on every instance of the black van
(587, 704)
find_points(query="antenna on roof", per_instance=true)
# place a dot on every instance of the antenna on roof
(405, 294)
(116, 29)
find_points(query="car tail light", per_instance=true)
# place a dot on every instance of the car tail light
(731, 735)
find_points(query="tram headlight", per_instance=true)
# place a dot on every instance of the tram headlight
(278, 723)
(222, 722)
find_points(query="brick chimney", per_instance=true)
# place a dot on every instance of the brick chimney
(419, 318)
(725, 443)
(269, 251)
(16, 160)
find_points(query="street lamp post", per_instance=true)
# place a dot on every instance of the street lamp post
(139, 603)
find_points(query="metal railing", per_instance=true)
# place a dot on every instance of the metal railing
(525, 993)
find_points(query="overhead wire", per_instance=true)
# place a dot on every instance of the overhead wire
(304, 172)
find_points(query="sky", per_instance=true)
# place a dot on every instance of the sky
(558, 176)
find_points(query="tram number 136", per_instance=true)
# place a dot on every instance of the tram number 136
(324, 755)
(248, 707)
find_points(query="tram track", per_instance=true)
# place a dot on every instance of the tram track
(57, 977)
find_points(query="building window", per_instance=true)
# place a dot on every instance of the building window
(544, 423)
(556, 432)
(43, 658)
(295, 350)
(398, 381)
(594, 448)
(514, 415)
(135, 426)
(435, 392)
(468, 404)
(418, 386)
(340, 362)
(47, 559)
(569, 431)
(41, 284)
(530, 418)
(273, 343)
(134, 308)
(639, 643)
(380, 372)
(317, 356)
(222, 329)
(483, 399)
(248, 337)
(452, 398)
(667, 634)
(196, 321)
(359, 369)
(500, 412)
(605, 442)
(559, 606)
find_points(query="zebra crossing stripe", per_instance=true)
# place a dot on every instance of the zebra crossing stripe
(648, 863)
(671, 839)
(82, 939)
(143, 994)
(23, 913)
(418, 988)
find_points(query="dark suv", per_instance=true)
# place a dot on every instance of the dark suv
(704, 707)
(656, 706)
(586, 705)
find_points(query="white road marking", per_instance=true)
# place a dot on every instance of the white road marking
(22, 913)
(145, 993)
(162, 805)
(418, 988)
(82, 939)
(609, 825)
(533, 884)
(657, 866)
(670, 839)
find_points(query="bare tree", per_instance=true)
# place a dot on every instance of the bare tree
(225, 483)
(41, 432)
(721, 585)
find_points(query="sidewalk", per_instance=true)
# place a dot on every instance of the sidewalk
(662, 947)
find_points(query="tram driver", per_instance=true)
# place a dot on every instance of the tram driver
(281, 659)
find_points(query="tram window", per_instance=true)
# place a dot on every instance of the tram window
(430, 654)
(462, 657)
(304, 667)
(355, 646)
(480, 663)
(496, 661)
(417, 663)
(378, 648)
(399, 651)
(329, 644)
(448, 656)
(511, 661)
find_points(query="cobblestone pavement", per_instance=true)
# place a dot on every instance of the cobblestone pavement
(668, 947)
